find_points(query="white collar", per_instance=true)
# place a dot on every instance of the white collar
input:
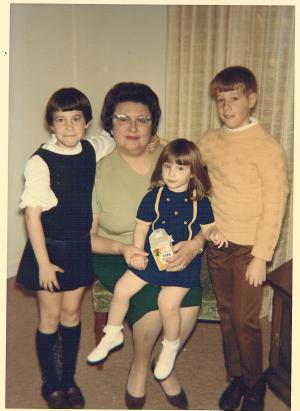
(51, 145)
(253, 122)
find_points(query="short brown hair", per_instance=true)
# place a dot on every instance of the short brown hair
(68, 99)
(133, 92)
(183, 152)
(231, 78)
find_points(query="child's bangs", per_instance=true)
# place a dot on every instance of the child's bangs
(69, 106)
(220, 87)
(180, 159)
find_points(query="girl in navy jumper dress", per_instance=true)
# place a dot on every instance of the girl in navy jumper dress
(178, 204)
(57, 260)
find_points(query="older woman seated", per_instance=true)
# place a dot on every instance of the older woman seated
(131, 115)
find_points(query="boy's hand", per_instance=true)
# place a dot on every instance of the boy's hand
(256, 271)
(138, 261)
(47, 276)
(217, 238)
(154, 143)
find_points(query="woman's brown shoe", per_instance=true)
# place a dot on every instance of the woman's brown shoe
(134, 403)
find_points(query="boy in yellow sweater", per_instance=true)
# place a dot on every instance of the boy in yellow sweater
(248, 174)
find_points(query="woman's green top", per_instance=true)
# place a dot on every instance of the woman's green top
(118, 191)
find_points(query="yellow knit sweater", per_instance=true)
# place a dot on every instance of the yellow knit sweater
(248, 173)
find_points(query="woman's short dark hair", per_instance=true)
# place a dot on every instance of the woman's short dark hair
(68, 99)
(133, 92)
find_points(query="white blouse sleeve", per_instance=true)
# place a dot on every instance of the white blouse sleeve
(37, 191)
(103, 144)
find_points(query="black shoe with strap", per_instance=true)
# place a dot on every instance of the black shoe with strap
(75, 398)
(55, 399)
(254, 397)
(231, 397)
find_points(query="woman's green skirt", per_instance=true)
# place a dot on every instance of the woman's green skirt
(109, 268)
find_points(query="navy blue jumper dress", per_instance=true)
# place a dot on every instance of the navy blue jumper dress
(66, 226)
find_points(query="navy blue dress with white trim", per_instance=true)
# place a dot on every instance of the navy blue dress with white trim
(175, 213)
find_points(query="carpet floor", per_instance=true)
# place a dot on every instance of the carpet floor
(199, 366)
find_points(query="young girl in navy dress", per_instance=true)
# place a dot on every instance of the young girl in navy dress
(57, 260)
(177, 203)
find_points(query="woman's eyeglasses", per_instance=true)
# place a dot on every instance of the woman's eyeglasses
(124, 120)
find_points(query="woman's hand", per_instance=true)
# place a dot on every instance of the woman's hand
(256, 271)
(129, 251)
(138, 261)
(185, 252)
(47, 276)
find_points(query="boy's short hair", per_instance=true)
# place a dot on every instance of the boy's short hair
(68, 99)
(231, 78)
(133, 92)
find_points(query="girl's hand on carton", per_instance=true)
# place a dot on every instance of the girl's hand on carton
(217, 238)
(256, 271)
(139, 261)
(47, 276)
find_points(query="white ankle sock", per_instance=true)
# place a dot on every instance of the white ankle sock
(166, 358)
(171, 344)
(112, 329)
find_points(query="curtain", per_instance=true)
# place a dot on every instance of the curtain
(201, 41)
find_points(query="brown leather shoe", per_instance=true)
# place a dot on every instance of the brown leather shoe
(254, 399)
(57, 399)
(231, 397)
(75, 398)
(134, 403)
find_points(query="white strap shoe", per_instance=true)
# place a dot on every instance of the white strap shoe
(108, 343)
(166, 359)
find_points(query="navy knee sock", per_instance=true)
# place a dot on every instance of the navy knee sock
(70, 338)
(46, 345)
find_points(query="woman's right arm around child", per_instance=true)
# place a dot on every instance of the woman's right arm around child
(212, 233)
(102, 245)
(47, 270)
